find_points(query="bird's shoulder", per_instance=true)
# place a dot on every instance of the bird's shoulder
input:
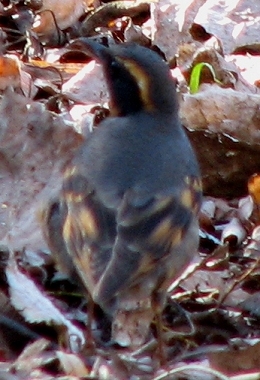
(138, 153)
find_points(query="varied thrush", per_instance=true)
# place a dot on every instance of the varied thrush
(125, 221)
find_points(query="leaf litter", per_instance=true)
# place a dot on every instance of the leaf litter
(213, 330)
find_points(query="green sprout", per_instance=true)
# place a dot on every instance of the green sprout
(196, 74)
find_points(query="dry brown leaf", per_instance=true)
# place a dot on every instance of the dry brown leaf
(114, 369)
(234, 232)
(220, 110)
(34, 147)
(82, 118)
(208, 208)
(133, 33)
(242, 358)
(33, 356)
(254, 188)
(72, 364)
(256, 234)
(87, 86)
(232, 22)
(105, 15)
(35, 306)
(253, 248)
(245, 207)
(224, 169)
(9, 72)
(248, 66)
(217, 282)
(171, 23)
(66, 13)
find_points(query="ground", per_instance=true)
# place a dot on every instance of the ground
(51, 99)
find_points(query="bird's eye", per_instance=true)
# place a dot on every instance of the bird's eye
(116, 67)
(114, 64)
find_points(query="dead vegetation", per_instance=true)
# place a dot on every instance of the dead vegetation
(51, 98)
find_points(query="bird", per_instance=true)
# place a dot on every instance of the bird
(125, 221)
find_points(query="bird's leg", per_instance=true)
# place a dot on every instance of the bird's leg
(157, 305)
(90, 317)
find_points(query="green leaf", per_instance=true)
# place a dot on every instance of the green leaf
(196, 74)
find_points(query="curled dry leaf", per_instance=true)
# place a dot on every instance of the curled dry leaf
(66, 13)
(35, 306)
(245, 207)
(223, 209)
(253, 248)
(9, 72)
(206, 215)
(72, 364)
(82, 118)
(234, 233)
(116, 369)
(254, 188)
(33, 356)
(256, 234)
(106, 13)
(133, 33)
(208, 208)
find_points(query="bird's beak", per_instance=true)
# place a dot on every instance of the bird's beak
(91, 48)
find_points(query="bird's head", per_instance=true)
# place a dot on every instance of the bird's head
(137, 78)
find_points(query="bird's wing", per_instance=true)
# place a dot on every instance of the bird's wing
(148, 229)
(52, 217)
(88, 230)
